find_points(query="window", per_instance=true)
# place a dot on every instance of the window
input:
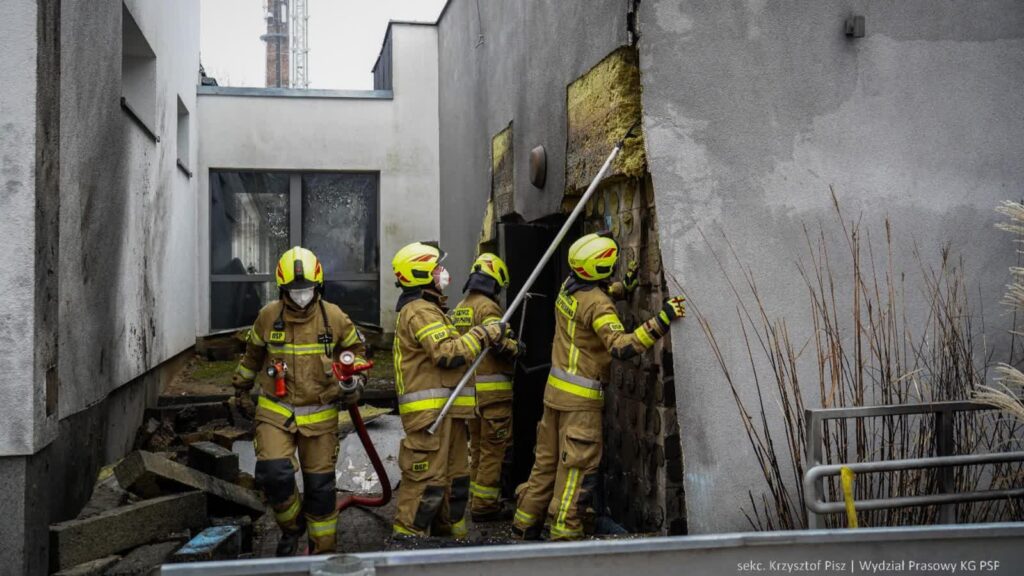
(138, 75)
(183, 138)
(256, 216)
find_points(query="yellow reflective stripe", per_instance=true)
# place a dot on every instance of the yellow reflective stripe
(421, 405)
(525, 517)
(297, 349)
(461, 400)
(428, 329)
(605, 320)
(567, 495)
(493, 386)
(485, 492)
(575, 388)
(396, 350)
(255, 339)
(396, 529)
(322, 527)
(472, 343)
(459, 529)
(644, 337)
(566, 532)
(301, 420)
(329, 414)
(289, 514)
(491, 319)
(245, 373)
(573, 351)
(351, 339)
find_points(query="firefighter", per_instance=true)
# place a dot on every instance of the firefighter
(491, 430)
(297, 337)
(430, 358)
(588, 334)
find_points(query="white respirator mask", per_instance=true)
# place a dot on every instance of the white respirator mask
(302, 296)
(441, 278)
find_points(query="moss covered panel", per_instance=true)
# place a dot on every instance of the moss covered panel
(502, 184)
(601, 106)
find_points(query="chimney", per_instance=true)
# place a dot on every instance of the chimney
(277, 43)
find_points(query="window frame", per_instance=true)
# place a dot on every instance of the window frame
(294, 232)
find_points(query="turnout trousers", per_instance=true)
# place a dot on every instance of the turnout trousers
(560, 491)
(423, 459)
(489, 434)
(275, 473)
(452, 520)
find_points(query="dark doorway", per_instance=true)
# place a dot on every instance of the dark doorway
(522, 246)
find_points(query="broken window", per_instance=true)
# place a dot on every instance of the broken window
(257, 216)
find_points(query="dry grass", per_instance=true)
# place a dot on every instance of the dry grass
(861, 348)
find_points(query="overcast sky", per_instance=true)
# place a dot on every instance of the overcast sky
(344, 39)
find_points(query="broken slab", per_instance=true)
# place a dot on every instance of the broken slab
(214, 460)
(96, 567)
(76, 541)
(227, 437)
(149, 475)
(144, 558)
(214, 543)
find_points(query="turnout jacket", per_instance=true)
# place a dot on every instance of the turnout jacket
(308, 345)
(588, 334)
(494, 375)
(430, 358)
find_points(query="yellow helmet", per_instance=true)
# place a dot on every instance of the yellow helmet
(593, 257)
(490, 265)
(414, 264)
(299, 268)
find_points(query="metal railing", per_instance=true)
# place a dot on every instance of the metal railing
(947, 498)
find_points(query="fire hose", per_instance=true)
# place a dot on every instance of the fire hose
(580, 204)
(344, 370)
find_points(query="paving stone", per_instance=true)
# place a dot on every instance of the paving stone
(214, 460)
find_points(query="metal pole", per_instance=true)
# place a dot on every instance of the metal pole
(536, 273)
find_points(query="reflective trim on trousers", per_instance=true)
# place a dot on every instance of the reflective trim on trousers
(493, 383)
(289, 513)
(525, 518)
(485, 492)
(318, 528)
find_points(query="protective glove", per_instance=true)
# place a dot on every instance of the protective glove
(673, 308)
(244, 403)
(512, 348)
(491, 334)
(632, 278)
(351, 397)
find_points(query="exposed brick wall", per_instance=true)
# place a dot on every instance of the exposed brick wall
(643, 468)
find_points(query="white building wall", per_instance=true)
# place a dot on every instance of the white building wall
(253, 129)
(127, 229)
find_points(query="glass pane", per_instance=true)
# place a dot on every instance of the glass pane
(360, 300)
(339, 221)
(236, 304)
(248, 221)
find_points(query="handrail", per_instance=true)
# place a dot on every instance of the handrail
(820, 506)
(943, 411)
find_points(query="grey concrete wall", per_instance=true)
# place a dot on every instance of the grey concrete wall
(128, 229)
(753, 109)
(27, 108)
(502, 62)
